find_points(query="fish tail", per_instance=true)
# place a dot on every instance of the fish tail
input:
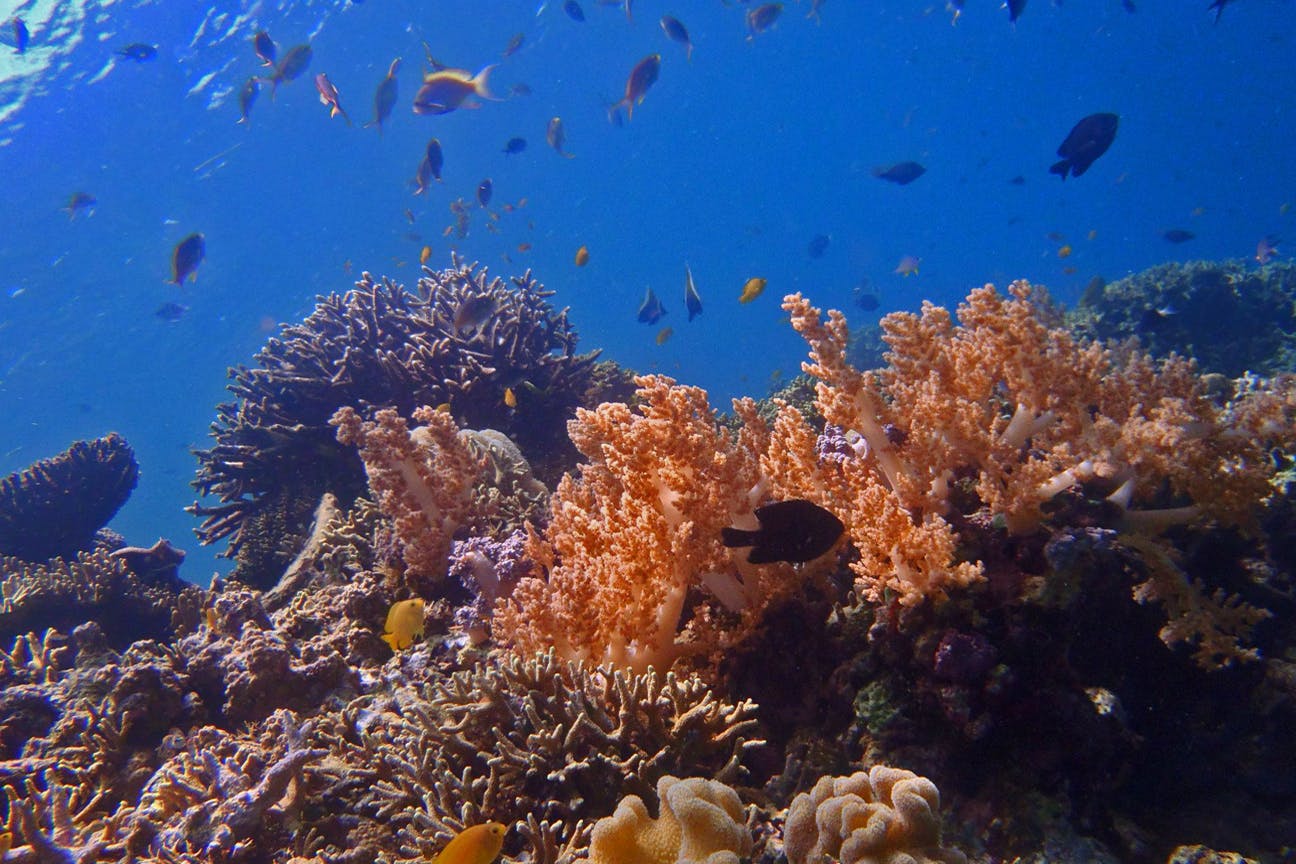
(617, 106)
(479, 83)
(732, 537)
(1060, 168)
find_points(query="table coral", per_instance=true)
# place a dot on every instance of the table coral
(701, 822)
(54, 507)
(881, 816)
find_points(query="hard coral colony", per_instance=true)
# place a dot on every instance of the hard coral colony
(556, 664)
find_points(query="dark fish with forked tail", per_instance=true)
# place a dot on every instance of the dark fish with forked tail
(795, 531)
(1087, 140)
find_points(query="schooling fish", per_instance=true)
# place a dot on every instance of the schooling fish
(641, 77)
(762, 18)
(329, 95)
(902, 173)
(435, 158)
(171, 312)
(484, 190)
(677, 32)
(1015, 8)
(908, 265)
(446, 89)
(1087, 140)
(385, 96)
(582, 256)
(1178, 235)
(422, 179)
(186, 257)
(1266, 249)
(1218, 6)
(651, 309)
(140, 52)
(574, 10)
(247, 96)
(692, 301)
(478, 844)
(795, 531)
(291, 66)
(265, 48)
(514, 146)
(78, 202)
(818, 245)
(752, 289)
(21, 36)
(556, 135)
(404, 623)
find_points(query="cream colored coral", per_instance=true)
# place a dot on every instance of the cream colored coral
(882, 816)
(701, 822)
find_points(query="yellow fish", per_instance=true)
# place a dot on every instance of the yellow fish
(6, 843)
(510, 398)
(477, 844)
(751, 289)
(582, 256)
(425, 254)
(663, 335)
(1065, 251)
(404, 623)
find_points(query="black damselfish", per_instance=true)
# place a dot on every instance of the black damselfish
(795, 530)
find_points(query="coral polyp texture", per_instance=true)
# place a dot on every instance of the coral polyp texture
(54, 507)
(456, 338)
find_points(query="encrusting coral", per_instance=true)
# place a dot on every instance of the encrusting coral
(881, 816)
(701, 822)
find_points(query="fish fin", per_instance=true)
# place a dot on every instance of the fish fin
(733, 537)
(479, 83)
(391, 640)
(761, 555)
(1061, 168)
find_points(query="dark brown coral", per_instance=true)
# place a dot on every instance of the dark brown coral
(54, 507)
(380, 345)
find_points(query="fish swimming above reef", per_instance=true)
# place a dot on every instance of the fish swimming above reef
(1218, 6)
(901, 173)
(404, 623)
(908, 265)
(484, 190)
(574, 11)
(651, 309)
(818, 245)
(752, 289)
(514, 146)
(556, 136)
(186, 257)
(247, 96)
(477, 844)
(1015, 9)
(582, 256)
(434, 157)
(445, 90)
(641, 77)
(473, 312)
(692, 302)
(1266, 249)
(77, 202)
(329, 95)
(171, 312)
(264, 47)
(1087, 140)
(1178, 235)
(140, 52)
(762, 18)
(385, 96)
(795, 530)
(21, 36)
(291, 66)
(677, 32)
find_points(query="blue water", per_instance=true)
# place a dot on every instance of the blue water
(733, 163)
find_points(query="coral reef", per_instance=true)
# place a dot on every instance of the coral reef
(380, 346)
(701, 822)
(881, 815)
(53, 508)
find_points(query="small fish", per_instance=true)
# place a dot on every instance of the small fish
(1128, 6)
(1266, 249)
(510, 398)
(247, 96)
(795, 531)
(514, 146)
(955, 8)
(902, 173)
(677, 32)
(171, 312)
(1157, 318)
(478, 844)
(692, 301)
(762, 18)
(140, 52)
(1092, 234)
(435, 158)
(1019, 180)
(484, 189)
(385, 96)
(815, 7)
(521, 88)
(1218, 6)
(908, 265)
(582, 256)
(425, 254)
(78, 202)
(514, 44)
(264, 47)
(1015, 9)
(1087, 140)
(574, 11)
(446, 89)
(556, 136)
(21, 36)
(641, 77)
(291, 66)
(752, 289)
(473, 312)
(866, 300)
(651, 309)
(1093, 292)
(422, 180)
(524, 247)
(404, 623)
(186, 257)
(328, 95)
(818, 245)
(663, 335)
(1065, 251)
(1178, 235)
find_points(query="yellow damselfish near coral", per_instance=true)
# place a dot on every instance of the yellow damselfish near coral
(478, 844)
(701, 822)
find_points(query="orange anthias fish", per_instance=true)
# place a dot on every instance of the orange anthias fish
(582, 256)
(446, 89)
(329, 96)
(478, 844)
(642, 76)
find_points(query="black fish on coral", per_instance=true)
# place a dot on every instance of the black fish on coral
(1087, 140)
(795, 530)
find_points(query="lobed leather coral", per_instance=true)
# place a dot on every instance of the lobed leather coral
(379, 345)
(881, 816)
(701, 822)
